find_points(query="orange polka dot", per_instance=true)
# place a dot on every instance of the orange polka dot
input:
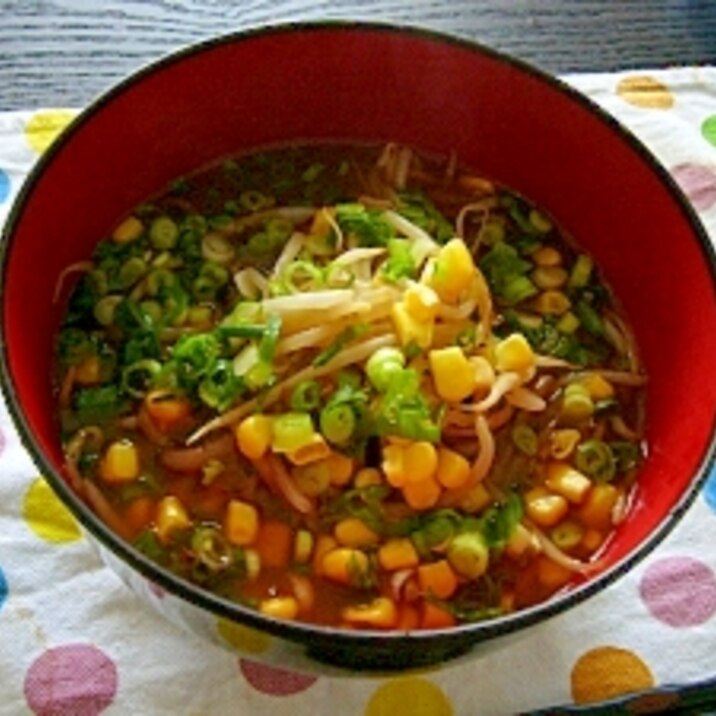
(414, 696)
(645, 92)
(607, 672)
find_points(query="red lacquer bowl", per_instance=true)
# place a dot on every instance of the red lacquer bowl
(377, 83)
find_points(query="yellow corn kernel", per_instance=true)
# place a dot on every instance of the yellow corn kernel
(422, 495)
(420, 460)
(381, 613)
(120, 462)
(321, 224)
(592, 539)
(171, 517)
(567, 534)
(549, 277)
(394, 464)
(409, 329)
(129, 230)
(88, 371)
(340, 468)
(303, 546)
(565, 480)
(598, 387)
(421, 302)
(484, 374)
(544, 508)
(397, 553)
(324, 544)
(476, 500)
(279, 607)
(568, 323)
(315, 450)
(596, 512)
(312, 479)
(353, 532)
(547, 256)
(514, 353)
(346, 565)
(241, 524)
(552, 302)
(562, 442)
(453, 271)
(453, 374)
(367, 476)
(453, 469)
(254, 435)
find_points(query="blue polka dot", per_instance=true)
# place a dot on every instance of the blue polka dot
(4, 185)
(710, 490)
(3, 588)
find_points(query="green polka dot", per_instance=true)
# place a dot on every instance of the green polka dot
(708, 129)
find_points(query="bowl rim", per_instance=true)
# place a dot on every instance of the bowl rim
(299, 632)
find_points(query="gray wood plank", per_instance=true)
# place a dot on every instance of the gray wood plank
(65, 52)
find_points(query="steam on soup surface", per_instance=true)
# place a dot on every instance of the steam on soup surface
(354, 386)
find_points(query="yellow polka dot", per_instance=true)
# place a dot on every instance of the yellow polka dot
(414, 696)
(46, 516)
(43, 127)
(646, 92)
(243, 638)
(606, 672)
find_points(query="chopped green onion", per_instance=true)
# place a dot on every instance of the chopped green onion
(302, 276)
(163, 233)
(159, 278)
(581, 272)
(383, 366)
(131, 271)
(517, 289)
(292, 431)
(269, 341)
(338, 276)
(306, 396)
(577, 405)
(313, 172)
(590, 319)
(338, 422)
(211, 548)
(627, 455)
(221, 386)
(104, 309)
(246, 330)
(595, 458)
(540, 222)
(468, 554)
(255, 200)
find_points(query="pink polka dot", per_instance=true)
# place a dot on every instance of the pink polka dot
(679, 591)
(71, 680)
(698, 182)
(273, 681)
(156, 590)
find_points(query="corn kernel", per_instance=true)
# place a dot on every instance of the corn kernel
(550, 277)
(312, 479)
(394, 464)
(476, 500)
(129, 230)
(381, 613)
(484, 374)
(514, 353)
(303, 546)
(368, 476)
(453, 374)
(409, 329)
(567, 481)
(551, 574)
(279, 607)
(592, 540)
(397, 553)
(598, 387)
(241, 524)
(346, 565)
(568, 323)
(596, 512)
(422, 495)
(120, 462)
(547, 256)
(254, 435)
(171, 517)
(544, 508)
(521, 541)
(453, 469)
(420, 460)
(421, 302)
(353, 532)
(562, 442)
(324, 544)
(552, 302)
(340, 468)
(453, 271)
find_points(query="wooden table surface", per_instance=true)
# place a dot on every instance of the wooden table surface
(65, 52)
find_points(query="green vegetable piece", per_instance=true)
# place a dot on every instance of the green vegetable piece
(306, 396)
(158, 279)
(400, 263)
(302, 276)
(163, 233)
(577, 405)
(499, 522)
(506, 271)
(338, 423)
(104, 309)
(589, 318)
(211, 548)
(540, 222)
(98, 404)
(627, 455)
(469, 555)
(221, 386)
(269, 341)
(292, 431)
(131, 271)
(417, 208)
(137, 378)
(581, 272)
(516, 289)
(383, 366)
(369, 226)
(197, 352)
(596, 459)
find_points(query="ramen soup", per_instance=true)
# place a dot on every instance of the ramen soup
(352, 386)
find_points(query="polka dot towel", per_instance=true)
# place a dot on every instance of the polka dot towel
(75, 641)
